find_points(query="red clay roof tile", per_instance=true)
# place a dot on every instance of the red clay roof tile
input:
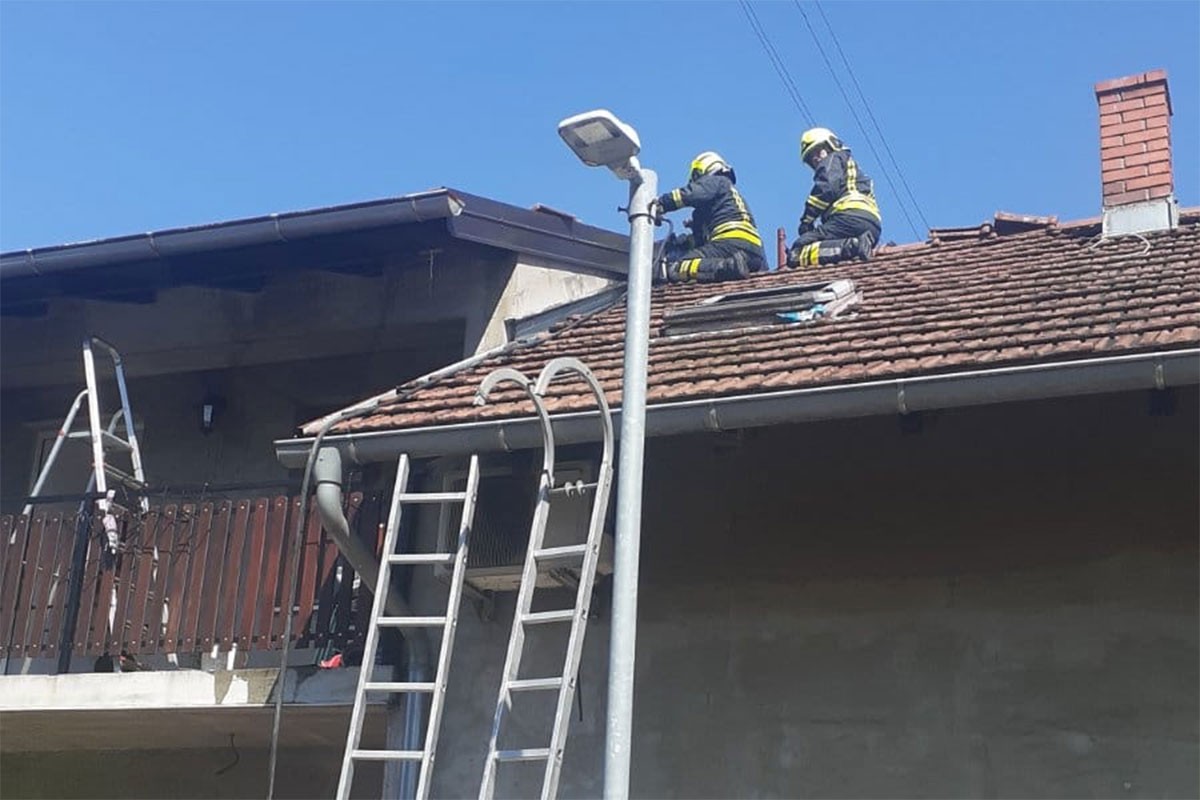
(1049, 293)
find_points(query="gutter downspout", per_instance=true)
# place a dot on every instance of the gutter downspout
(327, 471)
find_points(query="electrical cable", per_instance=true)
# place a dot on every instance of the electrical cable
(773, 55)
(871, 114)
(858, 120)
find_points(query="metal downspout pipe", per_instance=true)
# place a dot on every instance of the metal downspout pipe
(327, 472)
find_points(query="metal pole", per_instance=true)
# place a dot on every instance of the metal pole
(642, 192)
(66, 640)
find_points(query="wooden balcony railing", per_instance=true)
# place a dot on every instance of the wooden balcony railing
(190, 576)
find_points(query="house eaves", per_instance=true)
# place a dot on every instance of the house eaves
(231, 235)
(1154, 370)
(314, 238)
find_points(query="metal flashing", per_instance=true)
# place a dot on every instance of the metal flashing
(1150, 216)
(804, 302)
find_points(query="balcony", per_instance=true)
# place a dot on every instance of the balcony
(190, 578)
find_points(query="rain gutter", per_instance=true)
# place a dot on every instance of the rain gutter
(1156, 370)
(271, 229)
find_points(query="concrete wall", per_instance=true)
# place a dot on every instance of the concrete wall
(262, 403)
(212, 772)
(303, 346)
(303, 314)
(532, 286)
(1001, 605)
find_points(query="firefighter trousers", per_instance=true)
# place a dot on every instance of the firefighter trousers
(839, 238)
(722, 260)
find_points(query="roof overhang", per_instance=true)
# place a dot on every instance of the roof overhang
(320, 238)
(1156, 370)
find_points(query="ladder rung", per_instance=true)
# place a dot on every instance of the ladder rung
(113, 442)
(528, 754)
(410, 622)
(79, 435)
(124, 477)
(393, 686)
(568, 553)
(535, 684)
(421, 558)
(433, 497)
(542, 617)
(388, 755)
(574, 488)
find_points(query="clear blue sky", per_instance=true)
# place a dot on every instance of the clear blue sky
(118, 118)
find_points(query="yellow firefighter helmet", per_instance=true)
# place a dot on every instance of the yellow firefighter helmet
(814, 138)
(708, 163)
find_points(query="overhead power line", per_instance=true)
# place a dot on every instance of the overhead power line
(871, 114)
(858, 121)
(776, 62)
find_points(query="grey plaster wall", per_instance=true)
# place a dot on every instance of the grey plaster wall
(1003, 605)
(262, 403)
(155, 774)
(306, 344)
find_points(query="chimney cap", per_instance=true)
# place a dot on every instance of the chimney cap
(1131, 81)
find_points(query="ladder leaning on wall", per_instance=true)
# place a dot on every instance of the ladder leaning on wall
(538, 558)
(104, 443)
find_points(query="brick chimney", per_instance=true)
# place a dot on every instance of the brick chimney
(1135, 154)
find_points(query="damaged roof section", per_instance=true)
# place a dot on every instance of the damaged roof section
(1002, 224)
(1042, 293)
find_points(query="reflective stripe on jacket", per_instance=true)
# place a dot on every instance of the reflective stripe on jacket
(719, 211)
(839, 186)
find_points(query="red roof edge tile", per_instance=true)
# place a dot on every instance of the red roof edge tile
(1007, 222)
(939, 235)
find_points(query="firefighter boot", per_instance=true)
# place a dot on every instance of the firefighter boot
(860, 246)
(729, 268)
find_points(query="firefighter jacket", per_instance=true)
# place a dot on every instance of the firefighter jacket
(839, 186)
(719, 212)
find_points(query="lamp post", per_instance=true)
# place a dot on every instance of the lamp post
(600, 139)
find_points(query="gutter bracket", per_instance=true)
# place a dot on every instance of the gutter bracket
(712, 420)
(901, 401)
(1160, 381)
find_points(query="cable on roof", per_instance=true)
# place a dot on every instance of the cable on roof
(871, 114)
(1100, 239)
(858, 120)
(773, 55)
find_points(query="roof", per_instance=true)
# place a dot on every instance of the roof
(967, 299)
(334, 237)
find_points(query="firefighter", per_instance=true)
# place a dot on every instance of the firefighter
(842, 198)
(724, 243)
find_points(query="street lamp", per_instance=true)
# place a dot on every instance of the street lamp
(602, 140)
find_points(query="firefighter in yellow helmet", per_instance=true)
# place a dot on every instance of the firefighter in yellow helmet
(842, 200)
(724, 243)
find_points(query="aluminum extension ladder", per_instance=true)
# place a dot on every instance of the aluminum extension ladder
(379, 619)
(104, 441)
(539, 558)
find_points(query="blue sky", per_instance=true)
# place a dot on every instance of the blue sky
(118, 118)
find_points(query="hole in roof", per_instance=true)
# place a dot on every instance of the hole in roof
(755, 308)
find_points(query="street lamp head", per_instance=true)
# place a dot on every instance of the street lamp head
(602, 140)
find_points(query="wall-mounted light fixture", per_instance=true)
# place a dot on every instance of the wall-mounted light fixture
(210, 408)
